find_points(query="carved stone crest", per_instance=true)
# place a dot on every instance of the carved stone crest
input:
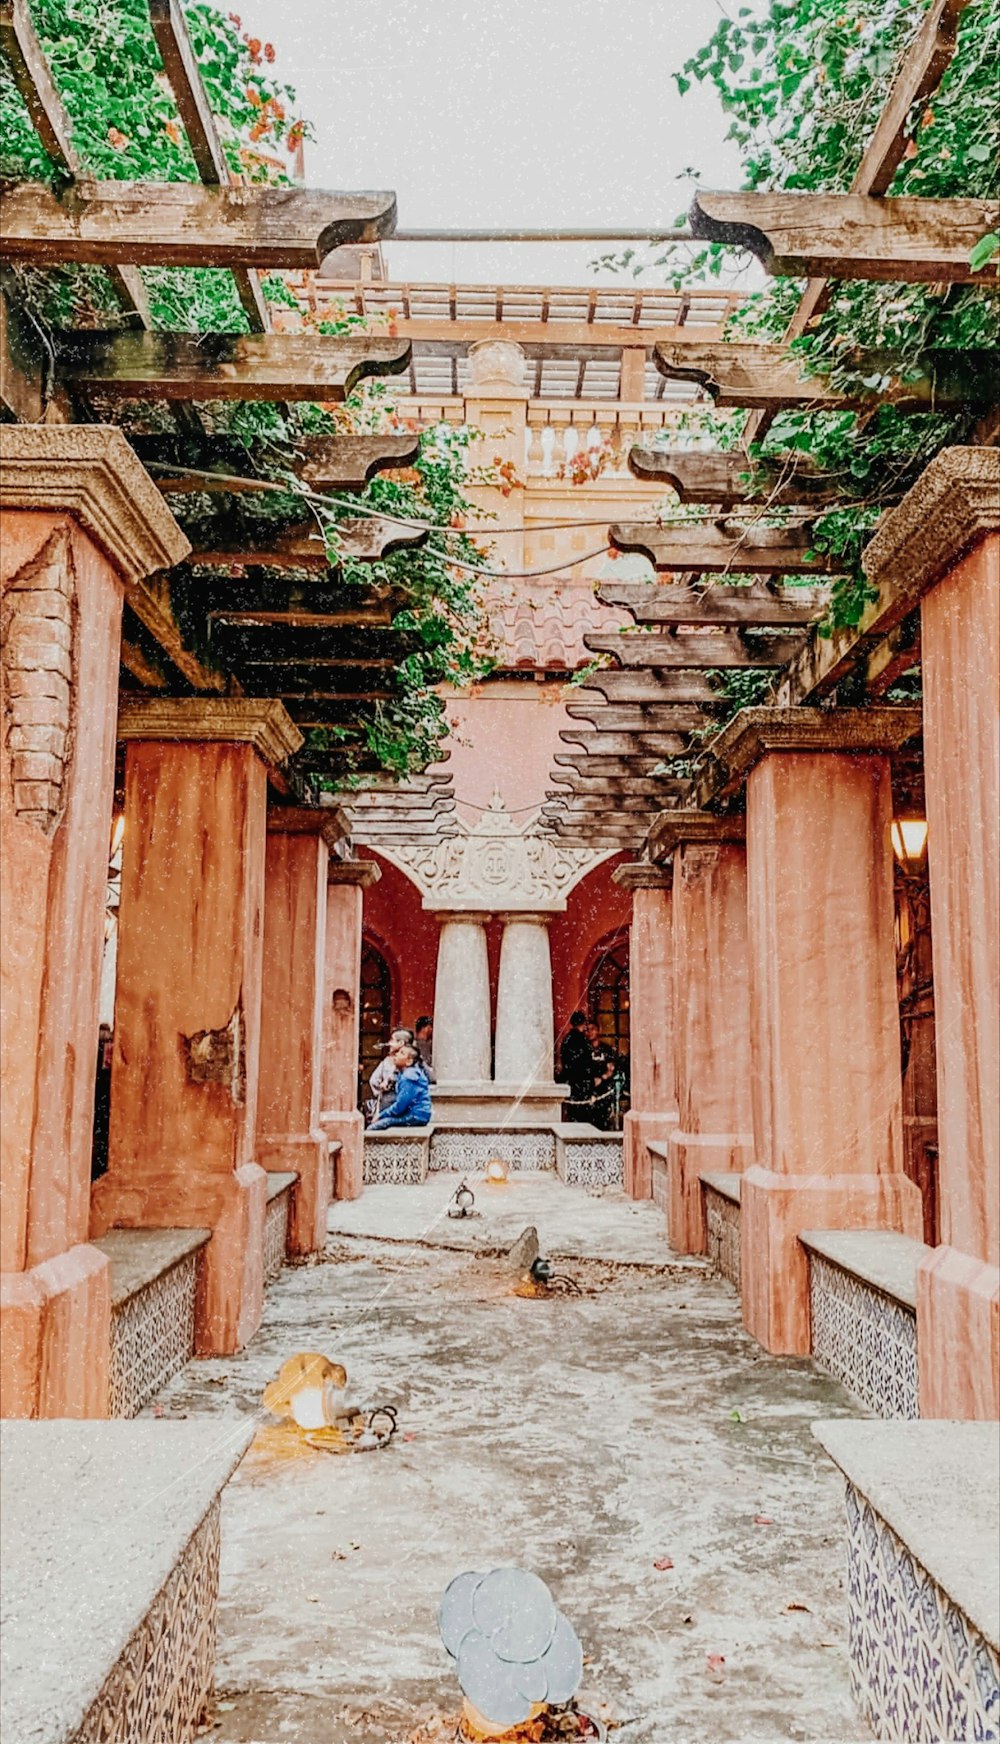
(497, 864)
(38, 635)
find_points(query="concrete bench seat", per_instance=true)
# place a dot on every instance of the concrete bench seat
(723, 1226)
(153, 1282)
(863, 1313)
(586, 1156)
(923, 1576)
(110, 1577)
(280, 1186)
(397, 1155)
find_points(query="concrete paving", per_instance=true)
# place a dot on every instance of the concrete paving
(587, 1438)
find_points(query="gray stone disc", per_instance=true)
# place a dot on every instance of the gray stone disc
(530, 1679)
(490, 1683)
(455, 1618)
(515, 1611)
(562, 1663)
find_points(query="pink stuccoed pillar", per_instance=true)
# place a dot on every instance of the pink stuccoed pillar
(290, 1136)
(81, 526)
(182, 1146)
(711, 1030)
(824, 1017)
(653, 1110)
(958, 1296)
(341, 1118)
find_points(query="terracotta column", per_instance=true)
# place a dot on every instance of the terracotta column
(525, 1036)
(711, 1014)
(824, 1014)
(292, 1002)
(462, 1001)
(184, 1084)
(653, 1110)
(942, 542)
(341, 1118)
(82, 525)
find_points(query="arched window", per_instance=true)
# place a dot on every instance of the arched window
(376, 1008)
(608, 994)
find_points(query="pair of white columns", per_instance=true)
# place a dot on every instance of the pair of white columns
(462, 1006)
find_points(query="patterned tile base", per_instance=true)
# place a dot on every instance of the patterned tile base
(468, 1153)
(865, 1339)
(276, 1234)
(158, 1689)
(152, 1337)
(722, 1218)
(919, 1669)
(400, 1162)
(590, 1162)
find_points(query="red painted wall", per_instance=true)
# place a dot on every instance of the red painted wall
(406, 935)
(594, 909)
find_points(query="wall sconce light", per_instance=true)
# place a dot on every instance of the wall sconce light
(909, 844)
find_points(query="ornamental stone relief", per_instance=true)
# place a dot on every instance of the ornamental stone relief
(39, 657)
(497, 864)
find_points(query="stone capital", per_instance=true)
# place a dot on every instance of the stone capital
(300, 820)
(954, 503)
(459, 916)
(362, 872)
(677, 829)
(90, 472)
(642, 875)
(755, 732)
(238, 720)
(532, 916)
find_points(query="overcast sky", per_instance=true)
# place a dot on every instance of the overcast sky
(531, 112)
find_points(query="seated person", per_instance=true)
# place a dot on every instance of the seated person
(382, 1082)
(411, 1105)
(577, 1067)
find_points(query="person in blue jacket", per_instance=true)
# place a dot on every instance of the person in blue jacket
(411, 1105)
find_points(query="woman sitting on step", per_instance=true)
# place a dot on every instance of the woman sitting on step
(411, 1105)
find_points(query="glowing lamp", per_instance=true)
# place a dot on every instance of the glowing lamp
(309, 1390)
(909, 843)
(496, 1172)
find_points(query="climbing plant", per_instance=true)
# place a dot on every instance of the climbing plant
(803, 82)
(125, 126)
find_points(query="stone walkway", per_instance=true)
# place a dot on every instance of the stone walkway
(585, 1438)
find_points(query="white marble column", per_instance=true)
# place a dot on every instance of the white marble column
(525, 1027)
(462, 1001)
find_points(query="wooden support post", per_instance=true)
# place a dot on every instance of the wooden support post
(653, 1095)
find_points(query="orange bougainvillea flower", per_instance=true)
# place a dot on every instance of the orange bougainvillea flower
(253, 96)
(234, 18)
(118, 140)
(253, 44)
(172, 130)
(269, 51)
(258, 130)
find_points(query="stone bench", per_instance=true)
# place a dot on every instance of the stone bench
(659, 1179)
(110, 1577)
(466, 1147)
(280, 1186)
(923, 1575)
(588, 1157)
(397, 1156)
(721, 1198)
(153, 1281)
(863, 1312)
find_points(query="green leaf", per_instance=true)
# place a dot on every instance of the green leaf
(985, 249)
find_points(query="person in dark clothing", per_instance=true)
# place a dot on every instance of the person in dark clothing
(577, 1067)
(604, 1065)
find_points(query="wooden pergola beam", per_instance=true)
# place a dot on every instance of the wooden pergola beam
(638, 717)
(850, 236)
(590, 765)
(224, 366)
(645, 686)
(610, 744)
(724, 479)
(187, 224)
(706, 650)
(363, 541)
(703, 548)
(323, 463)
(769, 378)
(757, 606)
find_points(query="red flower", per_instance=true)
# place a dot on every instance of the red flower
(253, 96)
(118, 140)
(234, 18)
(269, 51)
(173, 131)
(253, 44)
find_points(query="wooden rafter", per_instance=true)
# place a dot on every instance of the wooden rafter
(589, 764)
(850, 236)
(708, 649)
(186, 224)
(363, 541)
(641, 716)
(611, 744)
(323, 463)
(705, 548)
(757, 606)
(770, 378)
(224, 366)
(712, 476)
